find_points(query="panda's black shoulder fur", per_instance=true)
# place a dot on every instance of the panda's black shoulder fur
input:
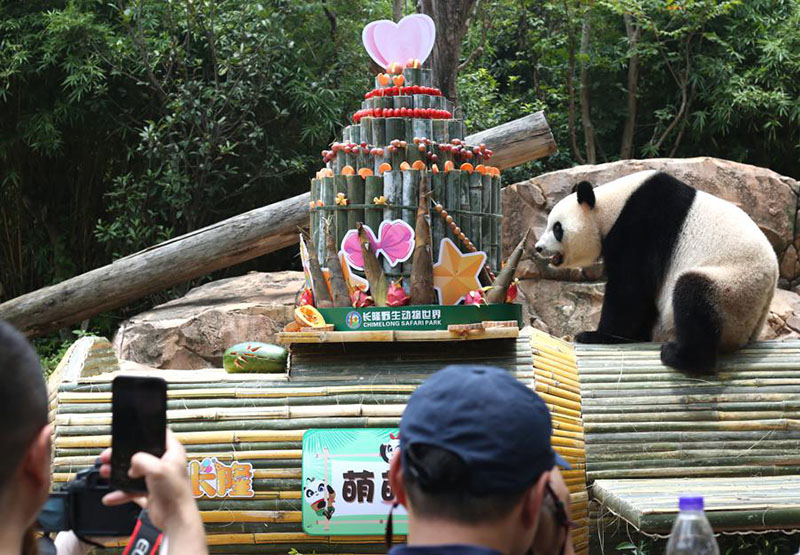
(647, 228)
(637, 252)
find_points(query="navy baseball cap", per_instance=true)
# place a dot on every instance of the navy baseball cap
(496, 425)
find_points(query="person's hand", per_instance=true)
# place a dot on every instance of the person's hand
(169, 501)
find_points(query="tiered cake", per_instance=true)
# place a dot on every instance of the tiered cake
(402, 183)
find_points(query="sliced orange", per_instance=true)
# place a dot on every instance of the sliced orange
(418, 165)
(365, 172)
(481, 169)
(385, 167)
(466, 167)
(448, 166)
(308, 316)
(405, 166)
(348, 170)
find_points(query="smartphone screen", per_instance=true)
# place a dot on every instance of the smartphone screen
(138, 423)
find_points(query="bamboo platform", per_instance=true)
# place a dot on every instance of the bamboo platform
(260, 419)
(653, 433)
(759, 503)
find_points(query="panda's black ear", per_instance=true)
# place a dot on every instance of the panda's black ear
(585, 193)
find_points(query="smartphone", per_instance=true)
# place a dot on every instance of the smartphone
(138, 423)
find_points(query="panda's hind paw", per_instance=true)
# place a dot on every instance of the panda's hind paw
(693, 361)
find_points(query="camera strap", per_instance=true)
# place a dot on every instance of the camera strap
(146, 538)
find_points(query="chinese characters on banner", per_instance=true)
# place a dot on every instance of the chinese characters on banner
(346, 487)
(405, 318)
(211, 478)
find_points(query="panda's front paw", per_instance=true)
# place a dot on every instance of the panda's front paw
(590, 337)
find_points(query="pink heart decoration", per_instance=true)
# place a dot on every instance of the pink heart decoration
(411, 39)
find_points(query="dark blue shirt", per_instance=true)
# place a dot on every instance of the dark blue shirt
(451, 549)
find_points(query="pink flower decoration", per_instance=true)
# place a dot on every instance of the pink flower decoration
(395, 242)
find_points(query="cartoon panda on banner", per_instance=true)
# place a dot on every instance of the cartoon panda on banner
(320, 497)
(683, 266)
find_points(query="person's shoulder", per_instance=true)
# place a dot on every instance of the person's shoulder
(452, 549)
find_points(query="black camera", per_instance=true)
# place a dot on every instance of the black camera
(78, 506)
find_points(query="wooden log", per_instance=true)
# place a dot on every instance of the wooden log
(200, 252)
(519, 141)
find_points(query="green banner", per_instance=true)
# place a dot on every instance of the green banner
(418, 317)
(346, 482)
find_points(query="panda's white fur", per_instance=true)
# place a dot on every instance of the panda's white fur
(716, 239)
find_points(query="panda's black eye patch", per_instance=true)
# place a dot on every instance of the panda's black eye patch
(558, 231)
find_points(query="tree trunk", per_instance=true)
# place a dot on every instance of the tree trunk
(451, 18)
(588, 127)
(397, 10)
(576, 152)
(633, 31)
(518, 141)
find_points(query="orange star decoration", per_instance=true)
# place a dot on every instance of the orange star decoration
(456, 273)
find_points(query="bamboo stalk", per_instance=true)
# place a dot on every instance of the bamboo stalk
(465, 222)
(340, 183)
(339, 289)
(422, 292)
(373, 188)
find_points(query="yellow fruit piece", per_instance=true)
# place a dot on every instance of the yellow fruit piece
(308, 316)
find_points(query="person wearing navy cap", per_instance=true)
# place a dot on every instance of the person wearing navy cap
(476, 471)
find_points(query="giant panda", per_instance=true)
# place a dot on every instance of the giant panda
(683, 266)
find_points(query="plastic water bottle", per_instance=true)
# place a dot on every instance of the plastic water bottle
(691, 534)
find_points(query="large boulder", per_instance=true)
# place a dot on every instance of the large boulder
(194, 331)
(769, 198)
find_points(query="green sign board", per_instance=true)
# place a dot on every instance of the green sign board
(418, 317)
(346, 482)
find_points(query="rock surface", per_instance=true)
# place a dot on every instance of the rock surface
(769, 198)
(564, 308)
(194, 331)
